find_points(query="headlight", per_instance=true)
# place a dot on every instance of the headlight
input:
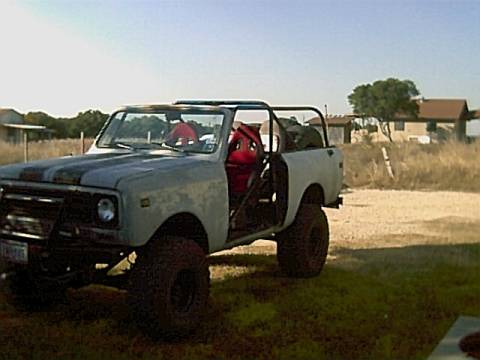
(106, 210)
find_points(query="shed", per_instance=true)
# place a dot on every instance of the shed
(12, 127)
(339, 127)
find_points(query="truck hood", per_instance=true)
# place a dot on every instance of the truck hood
(97, 170)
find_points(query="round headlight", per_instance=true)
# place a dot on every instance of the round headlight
(106, 210)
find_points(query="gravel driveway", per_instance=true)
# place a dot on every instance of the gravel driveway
(389, 218)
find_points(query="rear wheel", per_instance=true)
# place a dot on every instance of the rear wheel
(302, 248)
(169, 287)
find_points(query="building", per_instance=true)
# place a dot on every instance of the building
(437, 120)
(339, 128)
(13, 127)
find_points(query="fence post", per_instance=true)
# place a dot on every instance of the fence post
(25, 146)
(387, 162)
(82, 143)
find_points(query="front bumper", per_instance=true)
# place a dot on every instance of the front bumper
(55, 226)
(336, 204)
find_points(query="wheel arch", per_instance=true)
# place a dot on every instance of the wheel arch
(185, 225)
(314, 195)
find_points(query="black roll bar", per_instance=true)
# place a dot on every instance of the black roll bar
(257, 103)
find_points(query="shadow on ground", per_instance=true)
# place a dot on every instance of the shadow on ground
(383, 303)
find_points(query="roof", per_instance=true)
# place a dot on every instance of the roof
(10, 116)
(333, 120)
(440, 109)
(5, 110)
(25, 126)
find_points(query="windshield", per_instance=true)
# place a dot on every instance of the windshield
(196, 131)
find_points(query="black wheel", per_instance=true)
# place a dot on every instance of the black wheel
(24, 291)
(302, 248)
(169, 287)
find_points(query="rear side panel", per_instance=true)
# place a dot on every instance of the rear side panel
(315, 166)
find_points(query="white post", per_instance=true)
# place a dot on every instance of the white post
(25, 146)
(387, 162)
(149, 137)
(82, 143)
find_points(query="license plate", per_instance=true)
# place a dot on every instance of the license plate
(14, 251)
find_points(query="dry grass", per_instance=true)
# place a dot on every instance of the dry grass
(40, 150)
(448, 166)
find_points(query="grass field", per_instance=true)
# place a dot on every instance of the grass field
(446, 166)
(391, 295)
(41, 150)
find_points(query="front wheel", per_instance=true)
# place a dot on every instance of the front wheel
(169, 287)
(302, 248)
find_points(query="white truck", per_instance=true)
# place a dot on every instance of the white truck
(169, 184)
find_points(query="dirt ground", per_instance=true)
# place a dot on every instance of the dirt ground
(390, 218)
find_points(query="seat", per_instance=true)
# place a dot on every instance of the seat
(300, 137)
(244, 156)
(278, 140)
(182, 134)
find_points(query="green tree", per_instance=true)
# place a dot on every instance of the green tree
(58, 126)
(385, 100)
(90, 122)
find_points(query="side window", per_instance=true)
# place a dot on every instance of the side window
(431, 126)
(399, 126)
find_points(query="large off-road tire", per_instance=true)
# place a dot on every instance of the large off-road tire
(302, 248)
(169, 287)
(26, 292)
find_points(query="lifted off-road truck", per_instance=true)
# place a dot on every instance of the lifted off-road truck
(163, 186)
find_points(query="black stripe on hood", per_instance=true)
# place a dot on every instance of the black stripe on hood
(37, 172)
(73, 174)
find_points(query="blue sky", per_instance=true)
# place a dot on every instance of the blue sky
(68, 56)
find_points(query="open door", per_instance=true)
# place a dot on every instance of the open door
(256, 174)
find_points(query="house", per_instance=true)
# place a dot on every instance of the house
(437, 120)
(339, 127)
(13, 127)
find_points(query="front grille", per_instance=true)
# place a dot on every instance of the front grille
(29, 216)
(33, 214)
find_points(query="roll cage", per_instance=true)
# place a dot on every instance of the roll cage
(235, 105)
(272, 161)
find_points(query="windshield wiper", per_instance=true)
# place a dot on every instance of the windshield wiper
(164, 145)
(123, 146)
